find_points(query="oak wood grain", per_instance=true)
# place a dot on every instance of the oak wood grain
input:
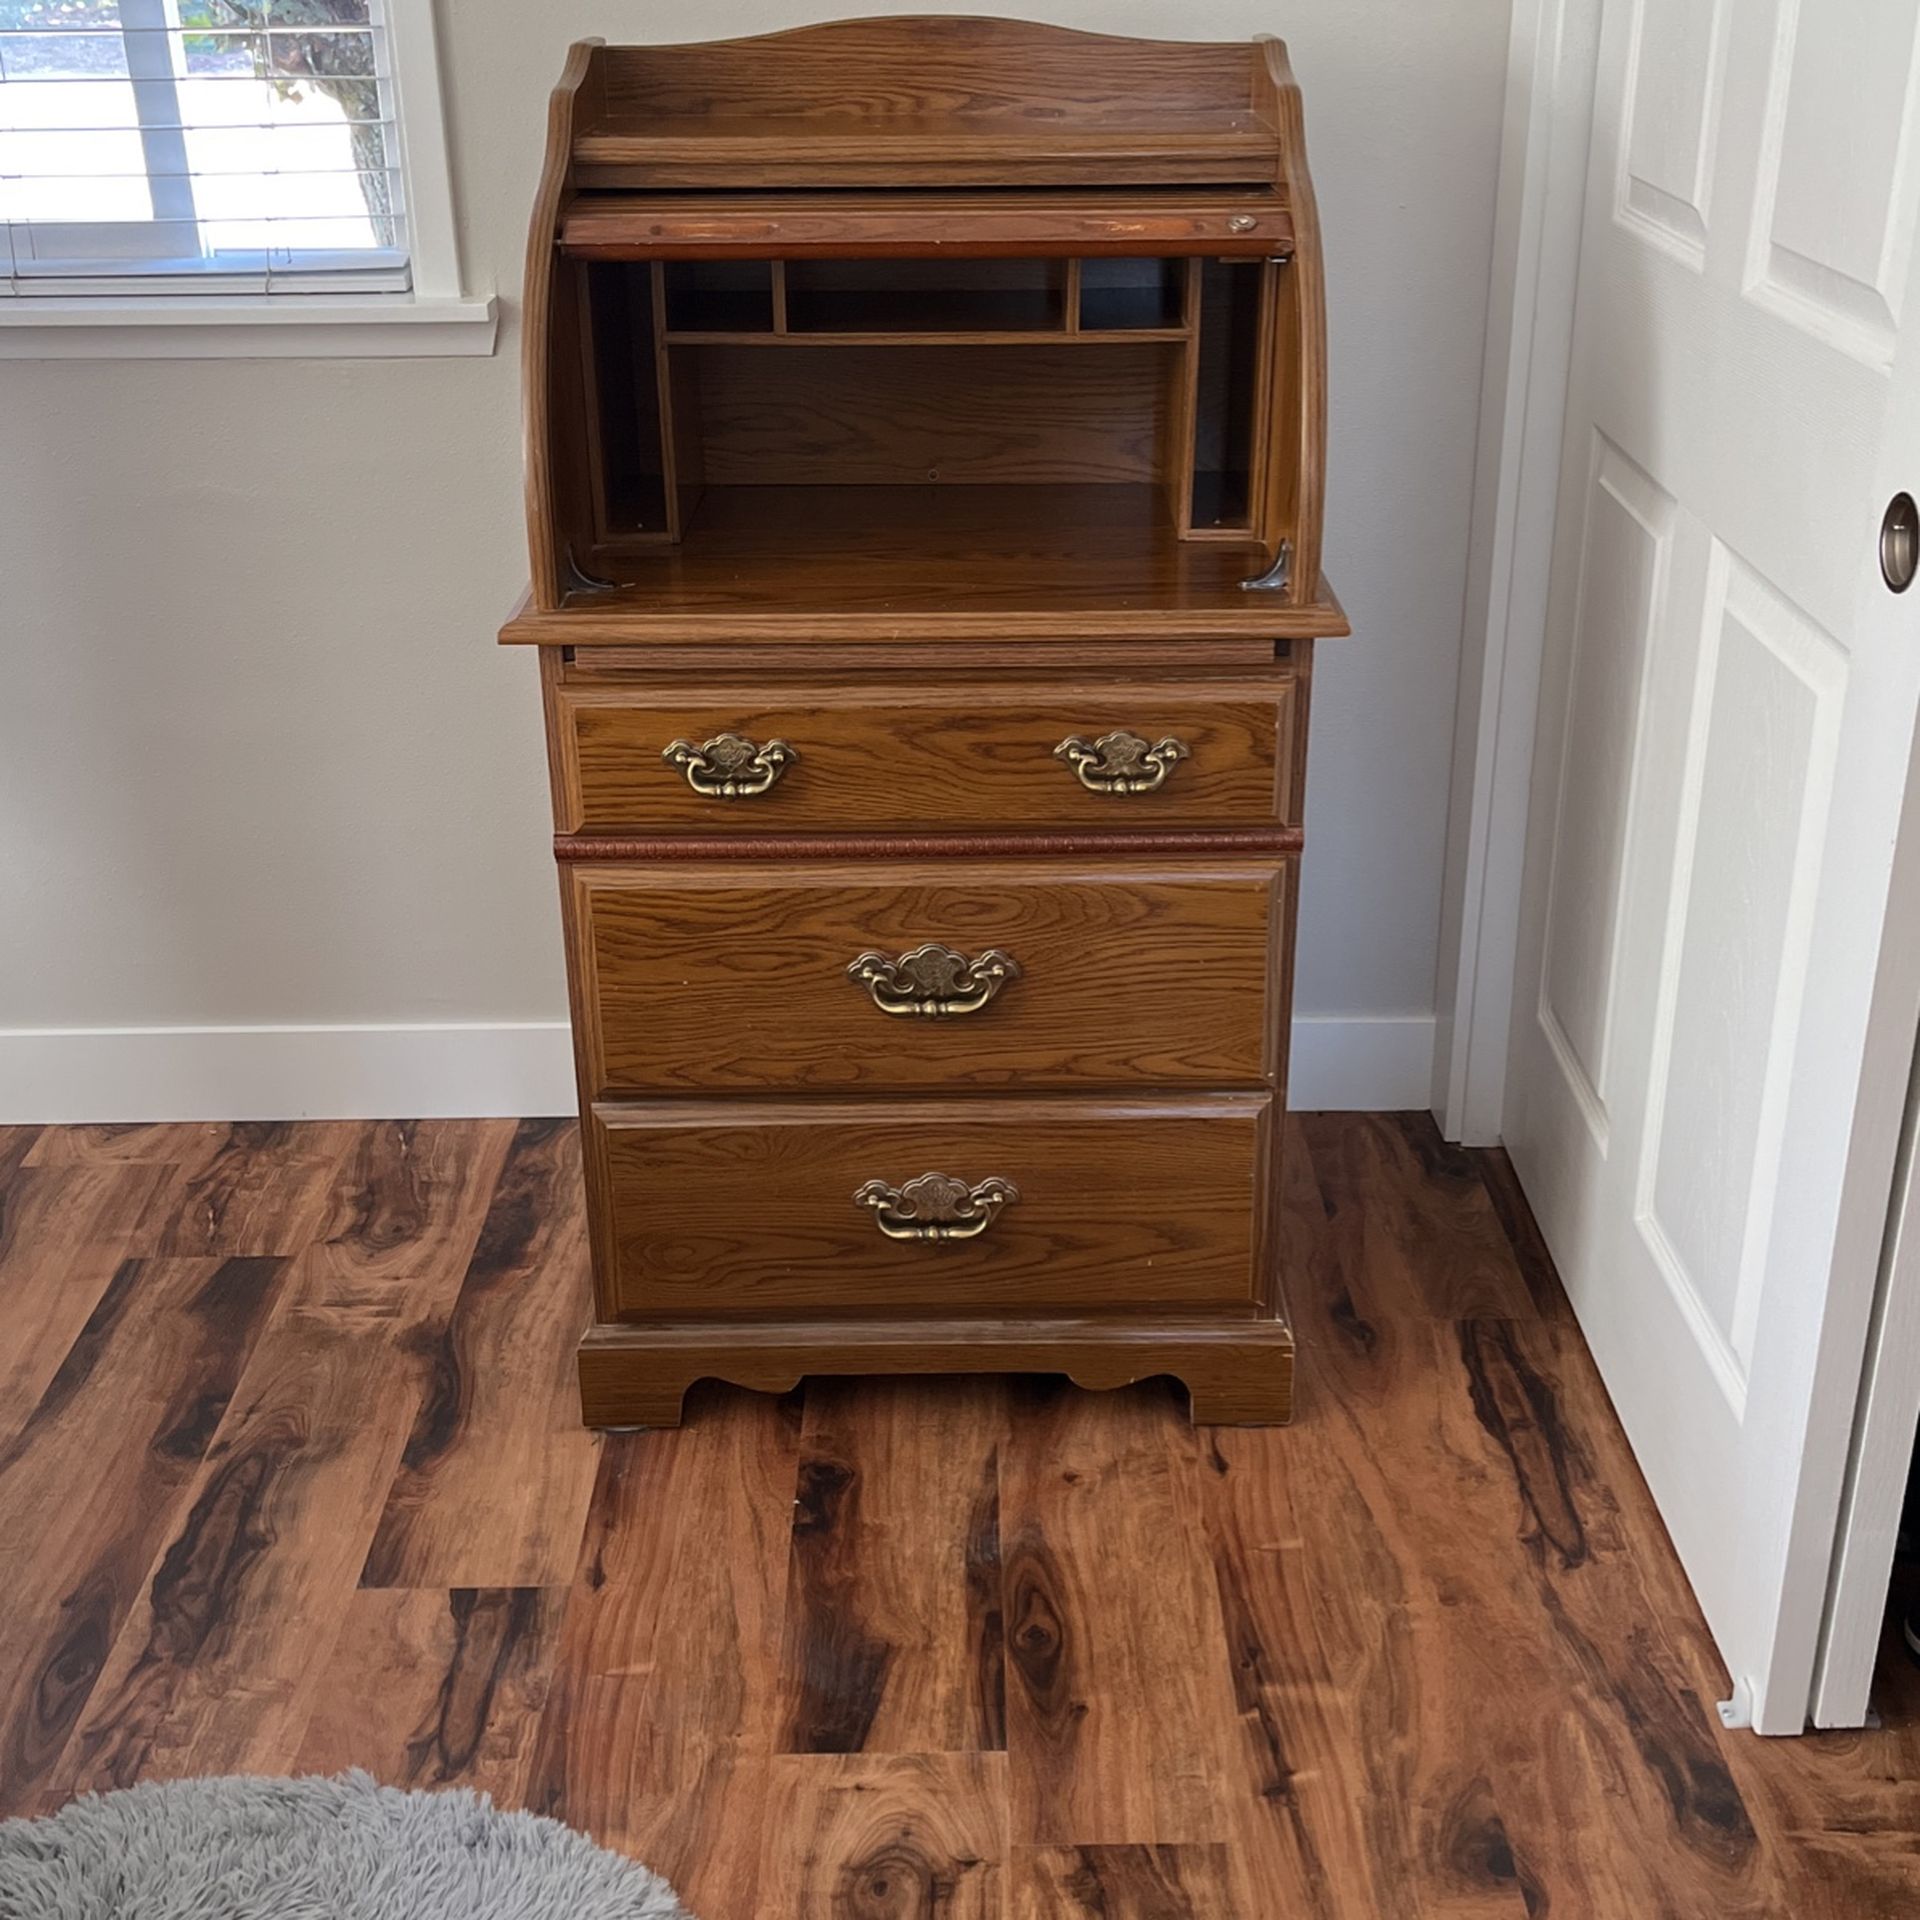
(945, 414)
(806, 565)
(937, 100)
(749, 1209)
(1235, 1370)
(930, 150)
(980, 69)
(736, 979)
(559, 506)
(922, 757)
(1294, 484)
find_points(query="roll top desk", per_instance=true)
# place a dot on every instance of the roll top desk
(924, 429)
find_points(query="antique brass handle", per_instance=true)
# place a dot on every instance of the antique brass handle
(1121, 762)
(936, 1206)
(933, 982)
(730, 767)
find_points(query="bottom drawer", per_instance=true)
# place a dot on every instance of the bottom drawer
(1034, 1206)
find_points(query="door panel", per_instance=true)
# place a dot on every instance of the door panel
(1698, 1102)
(1671, 118)
(1756, 787)
(1839, 173)
(1622, 564)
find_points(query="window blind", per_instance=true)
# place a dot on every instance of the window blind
(198, 146)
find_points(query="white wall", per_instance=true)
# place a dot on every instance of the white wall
(261, 766)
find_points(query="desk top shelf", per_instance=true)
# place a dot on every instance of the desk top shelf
(922, 102)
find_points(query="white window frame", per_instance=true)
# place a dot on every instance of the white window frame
(437, 318)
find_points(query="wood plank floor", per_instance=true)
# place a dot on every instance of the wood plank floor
(291, 1480)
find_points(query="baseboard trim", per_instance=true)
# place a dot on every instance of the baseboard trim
(62, 1076)
(388, 1072)
(1355, 1064)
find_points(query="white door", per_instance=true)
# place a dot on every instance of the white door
(1720, 958)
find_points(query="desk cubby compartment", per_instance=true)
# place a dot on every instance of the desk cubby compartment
(1227, 399)
(926, 296)
(1125, 395)
(719, 296)
(1124, 296)
(622, 440)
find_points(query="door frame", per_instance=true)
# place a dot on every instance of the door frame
(1869, 1391)
(1539, 212)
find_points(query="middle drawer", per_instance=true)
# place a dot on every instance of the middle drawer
(1035, 973)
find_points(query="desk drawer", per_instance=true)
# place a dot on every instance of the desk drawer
(991, 755)
(976, 975)
(758, 1210)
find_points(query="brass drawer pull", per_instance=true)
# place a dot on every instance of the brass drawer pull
(729, 766)
(933, 982)
(1121, 762)
(936, 1206)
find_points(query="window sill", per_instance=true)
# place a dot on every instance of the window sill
(261, 327)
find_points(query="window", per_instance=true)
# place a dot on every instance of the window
(154, 152)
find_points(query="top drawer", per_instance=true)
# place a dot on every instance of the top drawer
(1000, 755)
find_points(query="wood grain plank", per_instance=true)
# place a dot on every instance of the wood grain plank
(16, 1143)
(829, 1836)
(1462, 1502)
(497, 1475)
(1353, 1788)
(1442, 1661)
(1616, 1618)
(189, 1146)
(1356, 1786)
(218, 1666)
(1123, 1883)
(907, 1836)
(249, 1193)
(1115, 1732)
(1523, 1233)
(893, 1640)
(438, 1689)
(671, 1652)
(1426, 1241)
(403, 1212)
(64, 1233)
(94, 1480)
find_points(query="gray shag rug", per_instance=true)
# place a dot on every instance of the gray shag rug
(312, 1849)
